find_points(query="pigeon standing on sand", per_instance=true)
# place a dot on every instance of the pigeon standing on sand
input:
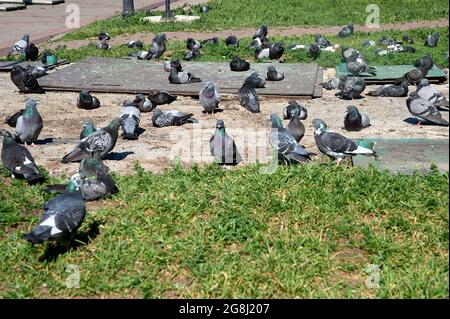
(355, 121)
(18, 160)
(88, 129)
(432, 40)
(393, 90)
(171, 118)
(209, 98)
(232, 41)
(172, 65)
(273, 74)
(351, 87)
(143, 104)
(158, 47)
(157, 97)
(223, 147)
(289, 109)
(130, 117)
(424, 111)
(31, 52)
(24, 80)
(29, 125)
(255, 80)
(86, 101)
(346, 31)
(427, 92)
(239, 65)
(295, 127)
(331, 84)
(176, 77)
(20, 46)
(248, 98)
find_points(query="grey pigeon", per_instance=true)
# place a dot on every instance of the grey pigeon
(392, 90)
(314, 50)
(351, 87)
(158, 47)
(336, 145)
(223, 147)
(273, 74)
(368, 43)
(193, 44)
(88, 129)
(176, 77)
(171, 65)
(261, 32)
(276, 51)
(256, 44)
(416, 75)
(130, 117)
(161, 97)
(262, 53)
(232, 41)
(295, 127)
(135, 44)
(255, 80)
(171, 118)
(321, 41)
(103, 141)
(36, 70)
(239, 65)
(332, 84)
(25, 81)
(293, 105)
(29, 125)
(430, 93)
(209, 98)
(92, 167)
(143, 104)
(356, 64)
(62, 217)
(350, 53)
(213, 40)
(20, 46)
(385, 41)
(18, 160)
(426, 61)
(355, 121)
(432, 40)
(346, 31)
(284, 143)
(248, 98)
(87, 101)
(103, 36)
(103, 45)
(424, 110)
(193, 54)
(140, 55)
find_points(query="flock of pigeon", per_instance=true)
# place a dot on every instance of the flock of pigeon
(64, 214)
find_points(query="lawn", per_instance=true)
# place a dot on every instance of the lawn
(309, 231)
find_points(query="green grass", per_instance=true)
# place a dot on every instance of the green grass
(236, 14)
(308, 232)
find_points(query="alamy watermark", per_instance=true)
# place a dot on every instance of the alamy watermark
(73, 279)
(73, 16)
(373, 19)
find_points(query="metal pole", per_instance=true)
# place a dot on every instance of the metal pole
(168, 14)
(128, 8)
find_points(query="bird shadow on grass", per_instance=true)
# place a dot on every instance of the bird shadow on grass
(118, 156)
(82, 238)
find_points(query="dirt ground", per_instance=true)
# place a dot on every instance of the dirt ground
(157, 148)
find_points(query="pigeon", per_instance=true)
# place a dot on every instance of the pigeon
(424, 110)
(172, 65)
(351, 87)
(293, 105)
(11, 120)
(25, 81)
(416, 75)
(248, 98)
(314, 50)
(193, 54)
(143, 104)
(20, 46)
(427, 92)
(385, 41)
(135, 44)
(36, 70)
(102, 141)
(103, 36)
(262, 53)
(425, 61)
(407, 39)
(88, 129)
(161, 97)
(393, 90)
(86, 101)
(92, 167)
(213, 40)
(103, 45)
(336, 145)
(255, 80)
(285, 144)
(256, 44)
(321, 41)
(18, 160)
(232, 41)
(346, 31)
(408, 49)
(62, 216)
(140, 55)
(261, 32)
(209, 98)
(273, 74)
(176, 77)
(350, 54)
(29, 125)
(171, 118)
(130, 117)
(158, 47)
(332, 84)
(368, 43)
(295, 127)
(193, 44)
(276, 50)
(355, 121)
(223, 147)
(432, 40)
(239, 65)
(356, 64)
(31, 52)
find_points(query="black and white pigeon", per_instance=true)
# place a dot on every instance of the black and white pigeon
(293, 105)
(62, 216)
(135, 44)
(157, 97)
(176, 77)
(130, 117)
(18, 160)
(255, 80)
(140, 55)
(354, 120)
(258, 44)
(416, 75)
(426, 61)
(321, 41)
(392, 90)
(289, 151)
(351, 87)
(430, 93)
(331, 84)
(385, 41)
(24, 80)
(239, 65)
(262, 53)
(173, 65)
(273, 74)
(276, 51)
(223, 147)
(103, 45)
(261, 32)
(171, 118)
(424, 111)
(209, 98)
(31, 52)
(191, 44)
(349, 53)
(143, 104)
(87, 101)
(102, 141)
(36, 70)
(193, 54)
(346, 31)
(93, 166)
(158, 47)
(88, 129)
(213, 40)
(29, 125)
(336, 145)
(103, 36)
(232, 41)
(248, 98)
(295, 127)
(20, 46)
(314, 50)
(432, 40)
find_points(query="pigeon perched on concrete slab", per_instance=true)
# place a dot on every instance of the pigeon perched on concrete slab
(346, 31)
(295, 127)
(336, 145)
(289, 151)
(351, 87)
(87, 101)
(20, 46)
(161, 97)
(29, 125)
(430, 93)
(130, 117)
(223, 147)
(62, 216)
(143, 104)
(232, 41)
(176, 77)
(135, 44)
(354, 120)
(209, 98)
(171, 118)
(331, 84)
(103, 36)
(24, 80)
(248, 98)
(293, 105)
(31, 52)
(193, 54)
(432, 40)
(424, 111)
(239, 65)
(18, 160)
(255, 80)
(102, 141)
(157, 48)
(88, 129)
(276, 51)
(172, 65)
(392, 90)
(273, 74)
